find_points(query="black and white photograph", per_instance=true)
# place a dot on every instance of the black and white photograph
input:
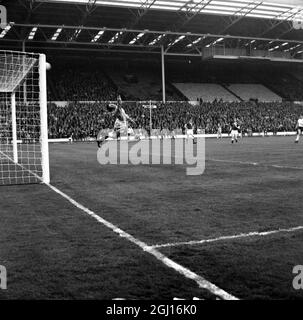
(151, 151)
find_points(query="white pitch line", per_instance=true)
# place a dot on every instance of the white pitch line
(255, 164)
(201, 282)
(232, 237)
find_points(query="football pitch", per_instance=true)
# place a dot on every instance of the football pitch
(151, 232)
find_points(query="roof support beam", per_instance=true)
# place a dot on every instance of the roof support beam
(236, 18)
(276, 23)
(190, 14)
(30, 7)
(289, 27)
(138, 14)
(89, 9)
(65, 48)
(93, 44)
(169, 35)
(154, 32)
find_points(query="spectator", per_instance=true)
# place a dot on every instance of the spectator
(83, 120)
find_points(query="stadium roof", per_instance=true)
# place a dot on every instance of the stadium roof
(182, 27)
(281, 9)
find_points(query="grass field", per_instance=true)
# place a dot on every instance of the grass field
(52, 249)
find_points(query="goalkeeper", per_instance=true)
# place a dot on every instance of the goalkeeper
(121, 122)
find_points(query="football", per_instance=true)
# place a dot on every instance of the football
(48, 66)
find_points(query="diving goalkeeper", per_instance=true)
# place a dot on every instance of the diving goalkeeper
(121, 122)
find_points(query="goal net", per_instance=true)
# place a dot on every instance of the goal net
(23, 119)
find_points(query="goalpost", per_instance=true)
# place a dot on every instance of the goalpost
(24, 156)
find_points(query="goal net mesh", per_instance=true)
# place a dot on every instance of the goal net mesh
(20, 125)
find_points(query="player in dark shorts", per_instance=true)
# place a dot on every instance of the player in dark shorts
(235, 128)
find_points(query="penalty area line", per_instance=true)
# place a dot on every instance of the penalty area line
(231, 237)
(200, 281)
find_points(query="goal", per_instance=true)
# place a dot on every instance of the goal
(24, 157)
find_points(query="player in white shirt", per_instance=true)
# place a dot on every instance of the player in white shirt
(121, 123)
(219, 131)
(299, 128)
(189, 131)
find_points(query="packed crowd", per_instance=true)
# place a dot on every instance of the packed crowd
(83, 120)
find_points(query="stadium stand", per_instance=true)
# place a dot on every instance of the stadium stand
(298, 74)
(93, 81)
(254, 91)
(283, 84)
(79, 84)
(83, 120)
(139, 84)
(206, 91)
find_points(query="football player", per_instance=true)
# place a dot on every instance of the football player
(121, 122)
(299, 128)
